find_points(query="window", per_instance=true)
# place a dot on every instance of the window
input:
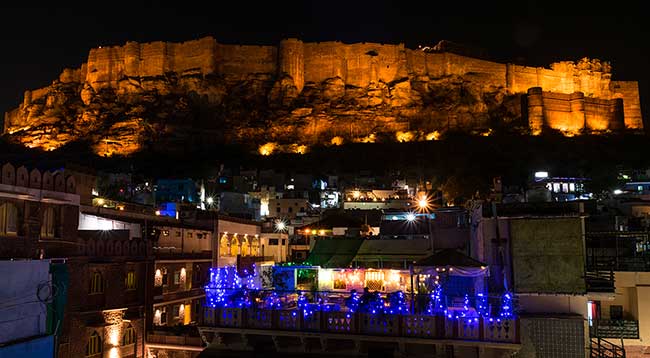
(277, 210)
(197, 308)
(284, 242)
(199, 236)
(129, 336)
(177, 277)
(290, 209)
(273, 242)
(8, 219)
(197, 274)
(47, 226)
(96, 283)
(129, 281)
(189, 234)
(176, 310)
(178, 234)
(165, 232)
(616, 312)
(163, 315)
(164, 276)
(94, 345)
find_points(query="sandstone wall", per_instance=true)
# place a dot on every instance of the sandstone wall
(572, 113)
(567, 96)
(629, 91)
(238, 61)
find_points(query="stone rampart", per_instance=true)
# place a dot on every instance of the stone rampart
(571, 96)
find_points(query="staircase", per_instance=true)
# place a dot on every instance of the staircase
(602, 348)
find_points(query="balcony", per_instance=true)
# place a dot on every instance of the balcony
(600, 281)
(230, 325)
(182, 337)
(610, 328)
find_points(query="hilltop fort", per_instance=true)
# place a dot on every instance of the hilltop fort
(297, 94)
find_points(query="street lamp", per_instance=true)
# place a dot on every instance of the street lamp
(280, 225)
(410, 217)
(423, 203)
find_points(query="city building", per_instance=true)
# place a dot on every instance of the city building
(32, 302)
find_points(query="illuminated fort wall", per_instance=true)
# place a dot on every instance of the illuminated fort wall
(573, 95)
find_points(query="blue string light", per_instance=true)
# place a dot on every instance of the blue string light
(228, 289)
(506, 306)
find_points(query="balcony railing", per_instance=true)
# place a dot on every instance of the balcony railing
(614, 328)
(345, 323)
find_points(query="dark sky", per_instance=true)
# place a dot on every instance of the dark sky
(39, 42)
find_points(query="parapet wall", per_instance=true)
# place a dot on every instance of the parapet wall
(573, 113)
(359, 65)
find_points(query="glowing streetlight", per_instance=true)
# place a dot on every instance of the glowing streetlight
(280, 225)
(410, 217)
(210, 200)
(423, 203)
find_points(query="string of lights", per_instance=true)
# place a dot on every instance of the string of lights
(228, 289)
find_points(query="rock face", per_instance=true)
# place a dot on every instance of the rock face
(298, 94)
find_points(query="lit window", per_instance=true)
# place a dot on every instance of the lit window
(189, 234)
(572, 187)
(176, 310)
(556, 187)
(94, 345)
(129, 336)
(47, 227)
(129, 281)
(178, 234)
(8, 219)
(177, 277)
(565, 187)
(96, 283)
(165, 232)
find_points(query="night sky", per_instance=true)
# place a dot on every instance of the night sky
(39, 42)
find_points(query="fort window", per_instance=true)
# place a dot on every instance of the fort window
(96, 283)
(129, 335)
(48, 225)
(8, 219)
(129, 281)
(94, 345)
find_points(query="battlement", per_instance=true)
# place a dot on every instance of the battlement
(602, 104)
(358, 64)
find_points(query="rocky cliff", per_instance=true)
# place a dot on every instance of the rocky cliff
(295, 95)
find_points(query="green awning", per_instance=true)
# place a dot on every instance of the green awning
(334, 252)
